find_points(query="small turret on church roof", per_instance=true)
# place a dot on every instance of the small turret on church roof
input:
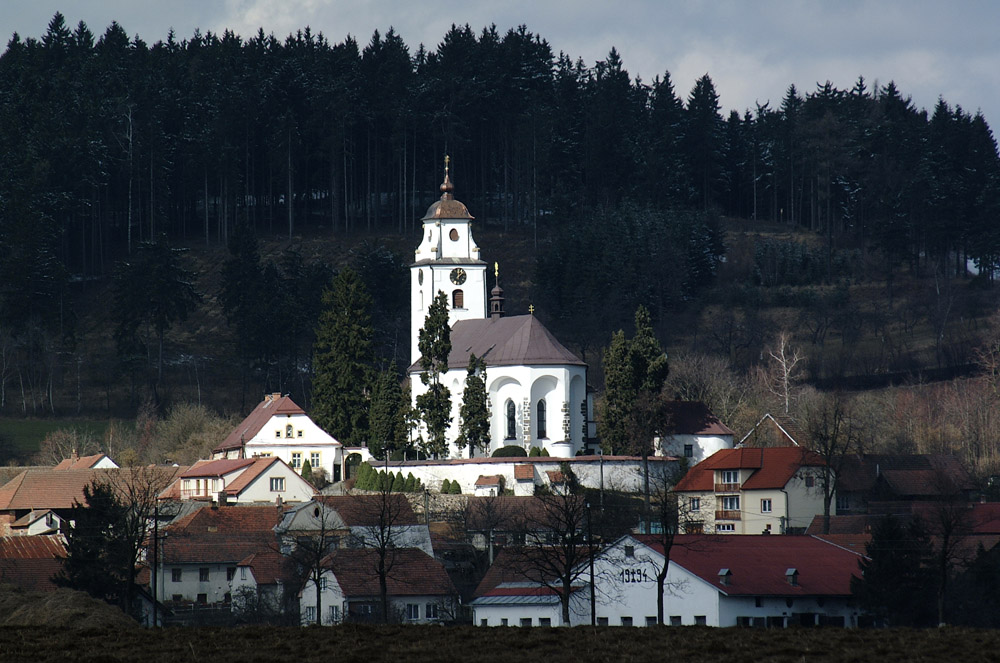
(447, 207)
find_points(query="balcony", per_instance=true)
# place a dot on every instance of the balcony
(727, 487)
(727, 515)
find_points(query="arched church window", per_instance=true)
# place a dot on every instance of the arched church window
(511, 420)
(288, 430)
(541, 419)
(458, 299)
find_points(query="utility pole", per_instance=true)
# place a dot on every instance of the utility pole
(590, 550)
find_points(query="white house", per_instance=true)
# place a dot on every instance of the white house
(418, 588)
(261, 584)
(95, 462)
(42, 521)
(773, 490)
(773, 581)
(279, 428)
(695, 433)
(537, 389)
(241, 481)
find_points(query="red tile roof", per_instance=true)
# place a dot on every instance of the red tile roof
(269, 567)
(524, 472)
(758, 563)
(216, 468)
(413, 573)
(84, 463)
(220, 535)
(774, 467)
(556, 477)
(361, 510)
(491, 480)
(694, 418)
(30, 561)
(273, 404)
(58, 489)
(257, 468)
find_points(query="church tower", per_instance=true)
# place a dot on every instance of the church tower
(446, 260)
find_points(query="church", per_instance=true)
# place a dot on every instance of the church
(537, 388)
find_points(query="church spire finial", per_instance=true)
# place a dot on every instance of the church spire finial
(447, 187)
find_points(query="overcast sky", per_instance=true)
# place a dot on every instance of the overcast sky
(752, 50)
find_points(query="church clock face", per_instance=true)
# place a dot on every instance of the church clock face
(458, 276)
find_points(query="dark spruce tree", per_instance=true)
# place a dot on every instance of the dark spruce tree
(342, 360)
(474, 427)
(388, 431)
(434, 405)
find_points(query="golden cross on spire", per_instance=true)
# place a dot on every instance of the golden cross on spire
(531, 309)
(447, 160)
(496, 270)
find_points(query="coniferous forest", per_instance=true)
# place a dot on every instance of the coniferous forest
(128, 168)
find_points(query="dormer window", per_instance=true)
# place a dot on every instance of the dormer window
(730, 476)
(792, 576)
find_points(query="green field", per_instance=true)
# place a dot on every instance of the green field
(416, 644)
(27, 434)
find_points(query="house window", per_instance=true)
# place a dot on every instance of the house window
(227, 598)
(689, 451)
(726, 527)
(731, 503)
(630, 551)
(314, 460)
(699, 620)
(544, 621)
(324, 584)
(288, 430)
(695, 504)
(484, 622)
(602, 621)
(311, 613)
(525, 621)
(230, 573)
(810, 481)
(277, 434)
(432, 611)
(626, 621)
(650, 621)
(503, 621)
(765, 506)
(730, 476)
(277, 484)
(843, 503)
(202, 599)
(511, 420)
(412, 611)
(541, 419)
(675, 620)
(175, 575)
(296, 460)
(203, 574)
(243, 573)
(334, 614)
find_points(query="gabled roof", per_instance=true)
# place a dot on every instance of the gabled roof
(257, 467)
(694, 418)
(787, 429)
(413, 573)
(773, 467)
(30, 561)
(512, 578)
(59, 489)
(524, 472)
(273, 404)
(758, 563)
(29, 518)
(78, 463)
(360, 510)
(216, 468)
(519, 340)
(269, 567)
(220, 535)
(489, 480)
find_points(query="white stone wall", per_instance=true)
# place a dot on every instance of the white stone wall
(619, 472)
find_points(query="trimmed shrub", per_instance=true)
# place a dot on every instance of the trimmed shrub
(456, 488)
(446, 486)
(410, 485)
(545, 453)
(509, 452)
(534, 453)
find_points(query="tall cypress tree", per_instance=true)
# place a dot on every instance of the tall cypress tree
(475, 412)
(434, 405)
(342, 359)
(387, 418)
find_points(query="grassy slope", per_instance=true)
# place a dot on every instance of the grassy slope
(416, 644)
